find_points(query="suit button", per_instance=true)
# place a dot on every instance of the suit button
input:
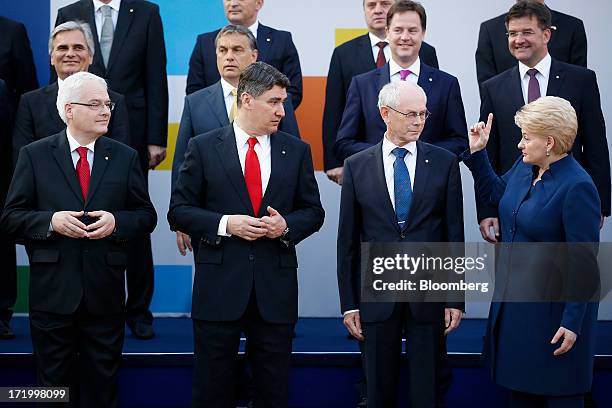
(251, 257)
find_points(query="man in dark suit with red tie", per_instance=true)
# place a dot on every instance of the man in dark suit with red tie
(354, 57)
(247, 194)
(275, 47)
(76, 199)
(130, 54)
(536, 73)
(71, 50)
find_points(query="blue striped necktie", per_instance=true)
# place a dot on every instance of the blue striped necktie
(401, 185)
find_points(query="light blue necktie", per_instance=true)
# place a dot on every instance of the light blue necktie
(106, 37)
(401, 185)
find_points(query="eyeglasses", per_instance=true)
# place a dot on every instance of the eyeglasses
(413, 115)
(97, 106)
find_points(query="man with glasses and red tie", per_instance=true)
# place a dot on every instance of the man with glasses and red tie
(247, 194)
(537, 74)
(362, 126)
(76, 200)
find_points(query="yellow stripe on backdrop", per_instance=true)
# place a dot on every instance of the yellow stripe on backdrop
(172, 132)
(346, 34)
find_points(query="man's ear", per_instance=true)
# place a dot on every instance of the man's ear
(68, 110)
(384, 113)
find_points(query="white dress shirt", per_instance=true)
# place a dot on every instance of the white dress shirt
(374, 40)
(262, 148)
(542, 76)
(415, 70)
(114, 5)
(388, 159)
(75, 155)
(227, 95)
(254, 28)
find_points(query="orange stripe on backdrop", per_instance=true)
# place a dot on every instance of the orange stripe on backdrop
(310, 117)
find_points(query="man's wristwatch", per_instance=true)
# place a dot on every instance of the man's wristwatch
(285, 237)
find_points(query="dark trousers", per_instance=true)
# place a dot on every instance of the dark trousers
(216, 363)
(8, 278)
(80, 351)
(140, 276)
(524, 400)
(383, 347)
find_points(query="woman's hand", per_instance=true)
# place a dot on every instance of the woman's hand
(569, 338)
(479, 134)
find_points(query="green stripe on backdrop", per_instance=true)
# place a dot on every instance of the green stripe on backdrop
(23, 283)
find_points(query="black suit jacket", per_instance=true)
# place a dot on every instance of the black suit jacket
(229, 269)
(362, 125)
(568, 43)
(352, 58)
(64, 271)
(136, 67)
(503, 96)
(37, 117)
(204, 110)
(5, 139)
(16, 61)
(367, 215)
(274, 47)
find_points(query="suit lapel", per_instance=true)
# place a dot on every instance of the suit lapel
(384, 76)
(264, 42)
(228, 154)
(380, 185)
(51, 103)
(278, 154)
(555, 79)
(420, 180)
(60, 150)
(102, 155)
(124, 21)
(427, 78)
(515, 89)
(364, 51)
(89, 13)
(216, 100)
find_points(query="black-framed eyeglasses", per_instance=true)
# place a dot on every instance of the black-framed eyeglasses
(413, 115)
(97, 106)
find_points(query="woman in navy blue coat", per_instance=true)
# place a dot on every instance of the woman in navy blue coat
(541, 351)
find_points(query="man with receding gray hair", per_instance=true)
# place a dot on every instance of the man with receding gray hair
(76, 199)
(399, 190)
(71, 49)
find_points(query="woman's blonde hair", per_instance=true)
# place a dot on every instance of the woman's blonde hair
(550, 116)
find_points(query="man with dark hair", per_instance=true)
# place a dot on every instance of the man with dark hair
(537, 74)
(568, 43)
(71, 49)
(247, 194)
(75, 200)
(362, 126)
(130, 53)
(275, 47)
(354, 57)
(216, 105)
(18, 73)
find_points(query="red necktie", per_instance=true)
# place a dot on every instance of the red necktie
(380, 59)
(252, 175)
(82, 169)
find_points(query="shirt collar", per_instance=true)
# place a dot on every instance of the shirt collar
(388, 146)
(242, 137)
(543, 67)
(374, 40)
(227, 88)
(74, 144)
(394, 67)
(114, 4)
(254, 28)
(60, 83)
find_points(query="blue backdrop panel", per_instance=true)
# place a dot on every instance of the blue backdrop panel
(172, 289)
(183, 21)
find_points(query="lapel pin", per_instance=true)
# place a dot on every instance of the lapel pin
(131, 10)
(430, 79)
(105, 157)
(282, 152)
(426, 160)
(557, 76)
(267, 39)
